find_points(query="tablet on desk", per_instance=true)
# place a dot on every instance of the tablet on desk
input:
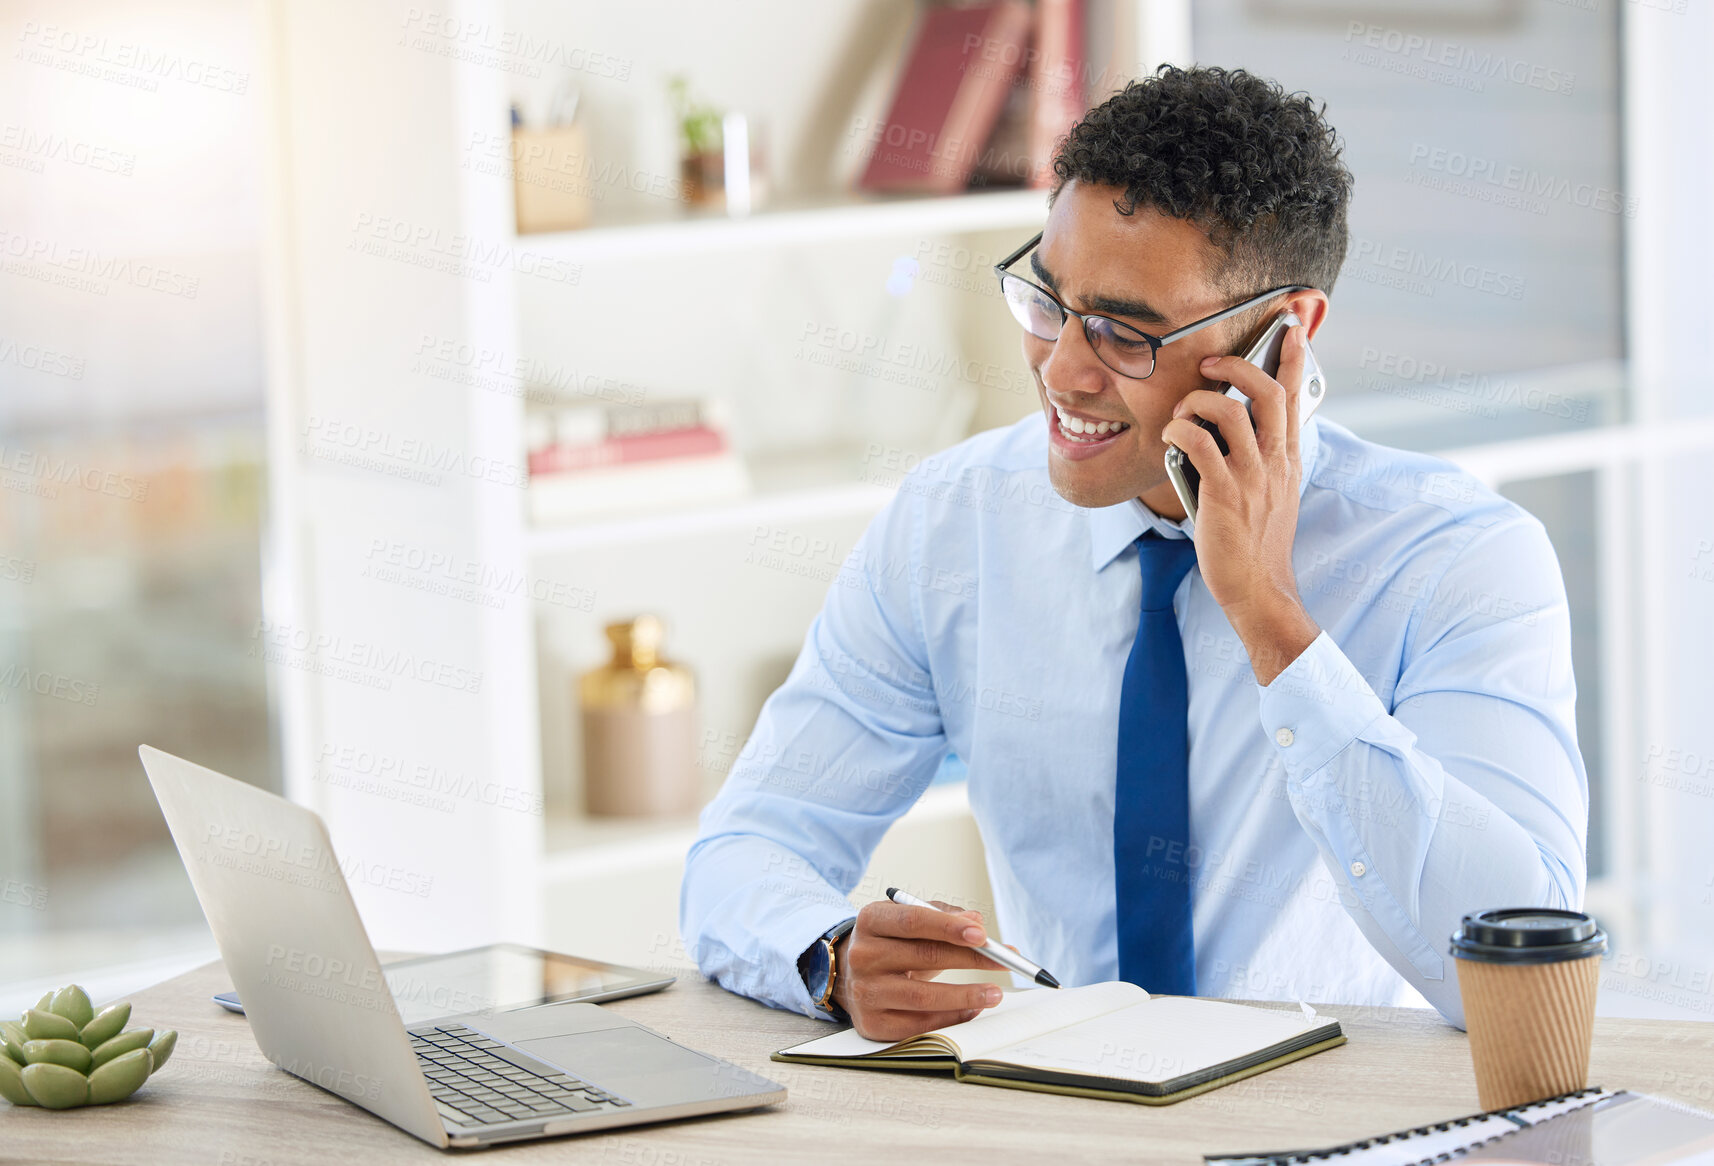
(500, 978)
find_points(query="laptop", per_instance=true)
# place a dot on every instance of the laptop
(319, 1005)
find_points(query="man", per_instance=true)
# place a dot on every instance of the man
(1282, 766)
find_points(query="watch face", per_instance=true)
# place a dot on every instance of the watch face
(815, 971)
(821, 960)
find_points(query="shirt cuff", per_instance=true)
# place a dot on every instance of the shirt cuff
(1317, 707)
(796, 993)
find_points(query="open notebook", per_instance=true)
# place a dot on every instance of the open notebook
(1110, 1040)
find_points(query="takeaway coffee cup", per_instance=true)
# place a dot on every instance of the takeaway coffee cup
(1527, 976)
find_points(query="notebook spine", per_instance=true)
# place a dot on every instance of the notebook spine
(1592, 1094)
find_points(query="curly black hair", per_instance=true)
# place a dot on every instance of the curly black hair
(1253, 167)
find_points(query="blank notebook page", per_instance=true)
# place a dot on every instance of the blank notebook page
(1018, 1016)
(1058, 1007)
(1158, 1041)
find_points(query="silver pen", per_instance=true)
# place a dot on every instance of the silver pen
(1004, 956)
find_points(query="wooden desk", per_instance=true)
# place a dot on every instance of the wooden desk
(219, 1102)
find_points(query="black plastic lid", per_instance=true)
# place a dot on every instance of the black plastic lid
(1527, 935)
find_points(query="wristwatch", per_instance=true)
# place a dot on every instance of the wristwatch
(819, 966)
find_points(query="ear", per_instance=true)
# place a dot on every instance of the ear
(1311, 308)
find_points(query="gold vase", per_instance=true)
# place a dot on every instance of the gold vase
(639, 729)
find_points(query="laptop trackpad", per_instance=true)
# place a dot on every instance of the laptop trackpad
(615, 1052)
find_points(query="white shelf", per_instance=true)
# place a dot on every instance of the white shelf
(588, 848)
(600, 848)
(767, 509)
(850, 219)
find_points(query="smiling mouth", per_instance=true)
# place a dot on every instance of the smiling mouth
(1084, 430)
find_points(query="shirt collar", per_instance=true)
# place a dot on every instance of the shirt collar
(1113, 528)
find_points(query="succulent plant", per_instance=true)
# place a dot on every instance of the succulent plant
(62, 1053)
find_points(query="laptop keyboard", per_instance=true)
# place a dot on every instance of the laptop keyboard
(477, 1081)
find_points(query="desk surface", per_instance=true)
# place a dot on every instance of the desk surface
(220, 1102)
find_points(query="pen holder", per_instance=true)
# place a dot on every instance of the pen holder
(550, 179)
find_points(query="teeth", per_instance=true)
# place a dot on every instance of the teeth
(1073, 427)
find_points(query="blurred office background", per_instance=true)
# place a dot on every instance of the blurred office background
(274, 354)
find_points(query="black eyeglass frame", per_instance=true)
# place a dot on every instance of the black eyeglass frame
(1155, 342)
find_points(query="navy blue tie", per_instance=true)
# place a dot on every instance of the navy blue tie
(1151, 806)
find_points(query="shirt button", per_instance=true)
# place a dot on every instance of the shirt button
(1358, 870)
(1284, 736)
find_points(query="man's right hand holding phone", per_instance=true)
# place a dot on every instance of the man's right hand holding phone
(1247, 516)
(886, 962)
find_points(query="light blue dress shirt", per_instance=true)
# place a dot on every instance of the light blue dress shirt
(1418, 761)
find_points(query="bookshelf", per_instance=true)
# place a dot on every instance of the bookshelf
(851, 499)
(844, 218)
(362, 278)
(935, 846)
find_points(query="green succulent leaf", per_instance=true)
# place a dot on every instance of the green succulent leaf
(162, 1047)
(14, 1046)
(72, 1002)
(57, 1052)
(12, 1083)
(137, 1038)
(40, 1024)
(55, 1086)
(45, 1004)
(120, 1077)
(108, 1023)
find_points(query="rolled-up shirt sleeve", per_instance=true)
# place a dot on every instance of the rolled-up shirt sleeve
(839, 752)
(1469, 791)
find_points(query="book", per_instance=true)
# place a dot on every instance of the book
(1055, 81)
(636, 488)
(1006, 160)
(575, 425)
(1592, 1127)
(1044, 102)
(1110, 1040)
(634, 420)
(956, 79)
(599, 461)
(561, 458)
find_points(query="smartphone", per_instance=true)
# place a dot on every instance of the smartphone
(1265, 355)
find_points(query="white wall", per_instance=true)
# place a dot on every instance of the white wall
(365, 189)
(1670, 158)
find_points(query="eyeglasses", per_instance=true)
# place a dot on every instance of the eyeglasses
(1122, 348)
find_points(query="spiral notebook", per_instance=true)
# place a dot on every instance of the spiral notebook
(1593, 1127)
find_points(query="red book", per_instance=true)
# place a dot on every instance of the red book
(1056, 78)
(950, 94)
(645, 447)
